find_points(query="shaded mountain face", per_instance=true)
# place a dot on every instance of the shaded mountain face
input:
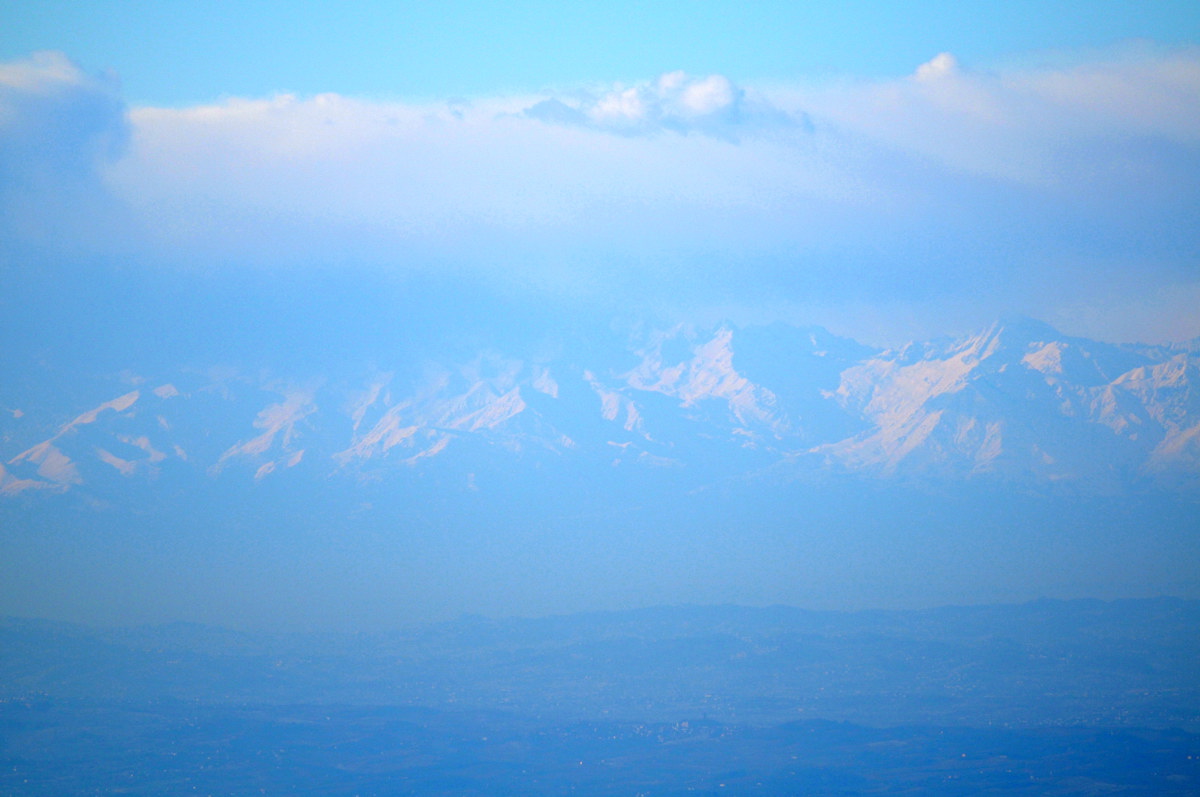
(602, 470)
(1018, 403)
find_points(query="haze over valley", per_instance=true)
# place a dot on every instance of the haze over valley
(599, 398)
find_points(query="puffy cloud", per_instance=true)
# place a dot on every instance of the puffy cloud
(675, 101)
(941, 65)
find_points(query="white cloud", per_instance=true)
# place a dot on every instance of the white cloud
(1068, 127)
(288, 179)
(675, 101)
(941, 65)
(41, 71)
(941, 186)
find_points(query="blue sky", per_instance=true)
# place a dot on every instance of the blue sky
(888, 170)
(186, 52)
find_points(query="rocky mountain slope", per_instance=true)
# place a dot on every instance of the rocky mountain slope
(1018, 402)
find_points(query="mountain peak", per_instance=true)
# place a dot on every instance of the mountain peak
(1018, 398)
(1027, 328)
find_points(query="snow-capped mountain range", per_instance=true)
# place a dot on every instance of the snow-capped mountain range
(1016, 402)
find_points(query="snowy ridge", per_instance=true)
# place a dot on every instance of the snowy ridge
(1018, 401)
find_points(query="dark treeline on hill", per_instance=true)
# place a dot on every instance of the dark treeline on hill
(1085, 697)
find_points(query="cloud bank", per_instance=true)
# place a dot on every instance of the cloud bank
(58, 127)
(56, 121)
(1068, 192)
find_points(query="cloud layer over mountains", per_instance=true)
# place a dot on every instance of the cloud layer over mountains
(1065, 191)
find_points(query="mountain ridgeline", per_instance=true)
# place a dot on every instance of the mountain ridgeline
(1018, 403)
